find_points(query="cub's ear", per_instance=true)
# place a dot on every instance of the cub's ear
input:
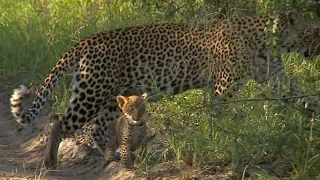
(293, 17)
(144, 96)
(121, 101)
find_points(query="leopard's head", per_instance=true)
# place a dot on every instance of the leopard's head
(294, 33)
(308, 44)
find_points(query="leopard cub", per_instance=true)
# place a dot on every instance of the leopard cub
(129, 131)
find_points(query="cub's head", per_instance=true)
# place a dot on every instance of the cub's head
(133, 107)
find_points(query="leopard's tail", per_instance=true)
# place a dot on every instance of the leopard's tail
(65, 64)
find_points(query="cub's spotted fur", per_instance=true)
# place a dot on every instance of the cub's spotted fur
(129, 131)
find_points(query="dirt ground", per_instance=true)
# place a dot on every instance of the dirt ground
(22, 152)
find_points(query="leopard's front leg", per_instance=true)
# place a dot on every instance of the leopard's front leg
(125, 154)
(272, 72)
(103, 131)
(222, 94)
(300, 100)
(112, 145)
(110, 153)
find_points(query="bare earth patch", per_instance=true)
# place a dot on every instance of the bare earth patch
(22, 151)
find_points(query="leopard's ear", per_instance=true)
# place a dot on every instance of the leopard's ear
(121, 101)
(293, 17)
(144, 96)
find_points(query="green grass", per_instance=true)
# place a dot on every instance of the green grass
(266, 138)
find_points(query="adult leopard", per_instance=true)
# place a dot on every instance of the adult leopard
(167, 58)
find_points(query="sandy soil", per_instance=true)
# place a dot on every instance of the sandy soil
(22, 152)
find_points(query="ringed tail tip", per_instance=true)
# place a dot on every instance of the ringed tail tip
(15, 102)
